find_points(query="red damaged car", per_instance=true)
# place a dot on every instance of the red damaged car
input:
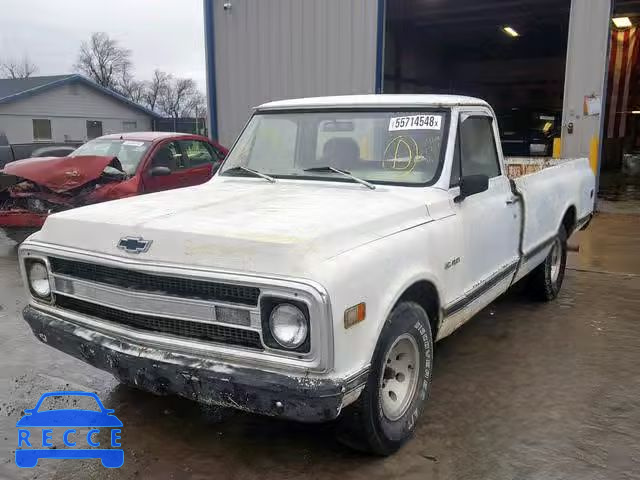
(106, 168)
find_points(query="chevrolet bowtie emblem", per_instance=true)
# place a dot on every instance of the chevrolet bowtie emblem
(134, 244)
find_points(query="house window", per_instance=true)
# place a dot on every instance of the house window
(129, 126)
(41, 129)
(94, 129)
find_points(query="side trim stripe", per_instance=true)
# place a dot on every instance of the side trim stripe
(584, 221)
(480, 290)
(538, 248)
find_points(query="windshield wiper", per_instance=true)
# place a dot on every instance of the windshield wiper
(252, 171)
(344, 173)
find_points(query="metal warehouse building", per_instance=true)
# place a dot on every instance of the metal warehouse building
(544, 65)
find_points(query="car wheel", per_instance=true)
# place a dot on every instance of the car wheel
(384, 416)
(546, 279)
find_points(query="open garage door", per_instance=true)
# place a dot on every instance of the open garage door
(511, 53)
(620, 168)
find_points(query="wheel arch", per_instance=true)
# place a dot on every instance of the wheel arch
(569, 219)
(425, 293)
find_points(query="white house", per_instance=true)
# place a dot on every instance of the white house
(66, 108)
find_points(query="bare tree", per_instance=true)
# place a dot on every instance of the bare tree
(155, 88)
(199, 105)
(131, 88)
(103, 60)
(12, 68)
(179, 97)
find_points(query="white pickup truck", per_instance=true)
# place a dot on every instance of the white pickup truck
(311, 276)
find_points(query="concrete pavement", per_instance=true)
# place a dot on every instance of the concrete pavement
(523, 391)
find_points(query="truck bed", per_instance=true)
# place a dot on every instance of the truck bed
(550, 188)
(520, 166)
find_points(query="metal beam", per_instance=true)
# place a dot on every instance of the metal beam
(210, 57)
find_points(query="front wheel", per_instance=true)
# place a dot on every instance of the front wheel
(546, 279)
(385, 415)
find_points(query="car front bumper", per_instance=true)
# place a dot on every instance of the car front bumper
(19, 218)
(205, 380)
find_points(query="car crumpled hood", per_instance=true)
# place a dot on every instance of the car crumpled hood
(58, 174)
(242, 224)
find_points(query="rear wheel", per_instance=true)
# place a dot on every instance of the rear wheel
(546, 280)
(385, 415)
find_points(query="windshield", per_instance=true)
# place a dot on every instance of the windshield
(401, 147)
(129, 152)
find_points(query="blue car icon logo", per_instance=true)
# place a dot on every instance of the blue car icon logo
(32, 446)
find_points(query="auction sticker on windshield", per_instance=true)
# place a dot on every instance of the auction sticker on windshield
(415, 122)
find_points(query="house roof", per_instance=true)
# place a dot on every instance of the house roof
(15, 89)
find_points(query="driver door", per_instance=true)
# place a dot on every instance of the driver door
(490, 220)
(167, 155)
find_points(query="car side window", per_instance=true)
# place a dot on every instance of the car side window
(169, 156)
(197, 152)
(477, 147)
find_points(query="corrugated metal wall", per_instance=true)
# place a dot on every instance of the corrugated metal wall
(274, 49)
(586, 66)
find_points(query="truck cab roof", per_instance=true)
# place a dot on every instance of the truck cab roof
(373, 101)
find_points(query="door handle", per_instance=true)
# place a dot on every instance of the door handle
(512, 200)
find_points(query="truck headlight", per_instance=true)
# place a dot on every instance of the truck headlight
(38, 277)
(288, 326)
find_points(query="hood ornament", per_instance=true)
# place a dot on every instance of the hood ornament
(134, 244)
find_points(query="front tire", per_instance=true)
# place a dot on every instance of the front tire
(385, 415)
(546, 279)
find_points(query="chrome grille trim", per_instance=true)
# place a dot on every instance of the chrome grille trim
(319, 360)
(145, 303)
(170, 326)
(179, 287)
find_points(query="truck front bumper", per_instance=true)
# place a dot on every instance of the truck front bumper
(201, 379)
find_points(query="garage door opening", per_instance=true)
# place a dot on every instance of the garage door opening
(511, 53)
(620, 168)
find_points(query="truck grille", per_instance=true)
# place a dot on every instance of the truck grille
(163, 285)
(181, 328)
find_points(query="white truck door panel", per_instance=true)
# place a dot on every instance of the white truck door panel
(489, 220)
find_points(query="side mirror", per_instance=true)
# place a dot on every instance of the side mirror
(160, 171)
(470, 185)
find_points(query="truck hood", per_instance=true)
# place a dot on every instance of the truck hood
(58, 174)
(242, 224)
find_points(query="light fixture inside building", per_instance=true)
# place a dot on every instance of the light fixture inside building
(621, 22)
(635, 112)
(510, 31)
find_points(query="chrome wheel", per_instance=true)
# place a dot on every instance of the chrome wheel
(556, 260)
(399, 379)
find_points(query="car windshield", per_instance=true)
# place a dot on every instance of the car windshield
(129, 152)
(395, 147)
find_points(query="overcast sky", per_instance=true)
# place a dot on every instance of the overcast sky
(164, 34)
